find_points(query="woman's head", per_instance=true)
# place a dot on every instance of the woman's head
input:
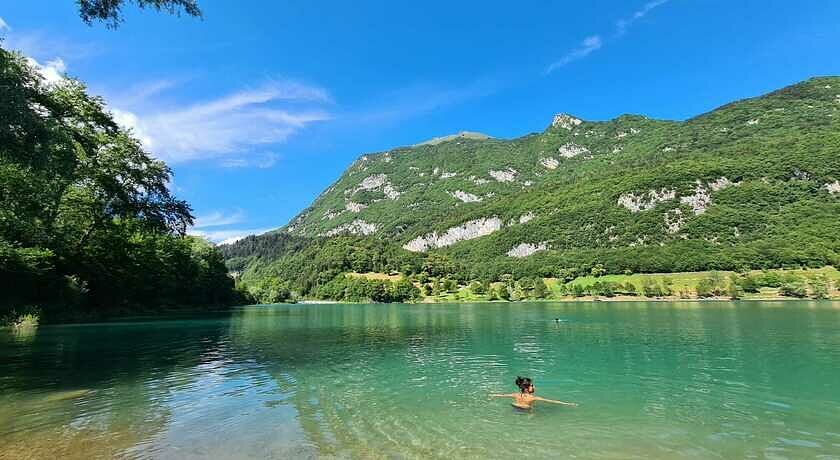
(525, 384)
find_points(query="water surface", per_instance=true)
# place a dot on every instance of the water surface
(653, 380)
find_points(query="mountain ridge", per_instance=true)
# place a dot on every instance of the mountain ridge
(723, 189)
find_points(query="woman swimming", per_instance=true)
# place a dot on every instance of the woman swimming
(525, 399)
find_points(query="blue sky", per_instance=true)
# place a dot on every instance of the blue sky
(259, 108)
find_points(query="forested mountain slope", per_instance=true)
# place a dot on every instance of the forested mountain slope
(755, 183)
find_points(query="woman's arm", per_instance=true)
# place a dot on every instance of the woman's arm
(555, 402)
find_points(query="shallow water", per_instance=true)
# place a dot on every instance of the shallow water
(653, 380)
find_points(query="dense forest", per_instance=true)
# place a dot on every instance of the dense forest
(754, 184)
(88, 225)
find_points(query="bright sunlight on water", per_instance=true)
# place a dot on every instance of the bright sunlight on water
(652, 380)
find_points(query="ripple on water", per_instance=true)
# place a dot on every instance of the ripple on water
(412, 382)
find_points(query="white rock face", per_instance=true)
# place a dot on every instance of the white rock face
(565, 121)
(549, 163)
(508, 175)
(699, 201)
(354, 207)
(526, 249)
(478, 180)
(390, 192)
(526, 217)
(572, 150)
(833, 187)
(668, 149)
(674, 221)
(372, 182)
(465, 196)
(447, 175)
(645, 201)
(357, 227)
(376, 182)
(467, 231)
(330, 215)
(296, 223)
(721, 184)
(752, 122)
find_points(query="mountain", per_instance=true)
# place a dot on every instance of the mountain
(452, 137)
(755, 183)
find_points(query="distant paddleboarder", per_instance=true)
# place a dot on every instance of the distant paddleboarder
(525, 399)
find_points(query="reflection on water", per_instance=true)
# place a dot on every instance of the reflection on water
(652, 380)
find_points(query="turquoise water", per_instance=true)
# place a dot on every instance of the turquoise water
(652, 380)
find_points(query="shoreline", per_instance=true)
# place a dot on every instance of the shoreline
(615, 299)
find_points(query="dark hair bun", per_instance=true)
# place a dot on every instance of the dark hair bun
(523, 382)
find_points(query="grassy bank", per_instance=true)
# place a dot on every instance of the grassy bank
(706, 285)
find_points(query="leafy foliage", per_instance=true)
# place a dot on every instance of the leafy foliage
(109, 11)
(86, 217)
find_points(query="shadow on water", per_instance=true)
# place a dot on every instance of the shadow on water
(74, 390)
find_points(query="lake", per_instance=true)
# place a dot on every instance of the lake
(652, 380)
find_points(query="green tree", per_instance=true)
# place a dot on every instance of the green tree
(794, 288)
(667, 286)
(449, 285)
(517, 294)
(820, 287)
(749, 283)
(86, 215)
(705, 288)
(734, 289)
(438, 265)
(477, 288)
(502, 292)
(109, 11)
(651, 287)
(540, 289)
(404, 290)
(567, 274)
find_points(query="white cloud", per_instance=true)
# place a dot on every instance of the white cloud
(411, 101)
(44, 45)
(228, 126)
(211, 226)
(218, 219)
(586, 47)
(4, 25)
(227, 236)
(137, 95)
(623, 24)
(257, 161)
(52, 71)
(594, 42)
